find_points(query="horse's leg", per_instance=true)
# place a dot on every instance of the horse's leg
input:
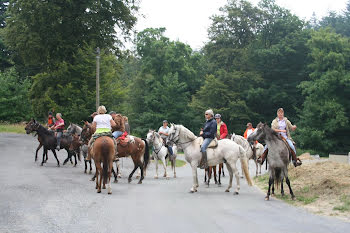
(223, 170)
(290, 188)
(36, 152)
(54, 153)
(173, 164)
(273, 190)
(195, 178)
(164, 166)
(90, 167)
(230, 172)
(115, 175)
(75, 156)
(235, 172)
(141, 169)
(205, 175)
(156, 160)
(110, 168)
(44, 152)
(242, 169)
(119, 170)
(220, 167)
(68, 157)
(132, 173)
(94, 177)
(282, 191)
(85, 162)
(268, 192)
(256, 167)
(214, 171)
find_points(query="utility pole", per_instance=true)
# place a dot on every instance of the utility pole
(97, 77)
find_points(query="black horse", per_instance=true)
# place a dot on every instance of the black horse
(49, 140)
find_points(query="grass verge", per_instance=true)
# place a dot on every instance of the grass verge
(12, 128)
(179, 163)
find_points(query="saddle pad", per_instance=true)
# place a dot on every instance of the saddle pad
(212, 144)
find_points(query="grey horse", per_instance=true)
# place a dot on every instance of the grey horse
(278, 157)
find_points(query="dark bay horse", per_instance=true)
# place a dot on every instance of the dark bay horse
(85, 136)
(103, 152)
(48, 139)
(278, 157)
(211, 170)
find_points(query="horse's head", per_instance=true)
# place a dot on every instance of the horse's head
(150, 136)
(259, 133)
(86, 132)
(70, 128)
(32, 125)
(174, 133)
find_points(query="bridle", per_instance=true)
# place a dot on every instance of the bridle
(176, 139)
(160, 144)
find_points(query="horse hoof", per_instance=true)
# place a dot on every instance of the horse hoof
(235, 193)
(115, 181)
(267, 198)
(109, 193)
(85, 172)
(140, 182)
(293, 198)
(92, 179)
(155, 177)
(104, 187)
(273, 195)
(129, 181)
(137, 177)
(119, 176)
(282, 194)
(75, 165)
(242, 177)
(41, 164)
(64, 163)
(58, 165)
(227, 190)
(98, 191)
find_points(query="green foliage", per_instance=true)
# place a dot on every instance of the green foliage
(325, 115)
(14, 103)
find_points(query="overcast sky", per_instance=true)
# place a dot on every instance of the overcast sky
(188, 20)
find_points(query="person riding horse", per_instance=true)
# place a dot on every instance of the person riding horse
(221, 127)
(283, 127)
(102, 125)
(163, 132)
(119, 127)
(208, 133)
(50, 120)
(59, 127)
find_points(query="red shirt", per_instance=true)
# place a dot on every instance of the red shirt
(223, 131)
(58, 122)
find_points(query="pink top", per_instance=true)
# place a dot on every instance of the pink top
(58, 122)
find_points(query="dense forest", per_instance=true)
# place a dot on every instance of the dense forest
(258, 58)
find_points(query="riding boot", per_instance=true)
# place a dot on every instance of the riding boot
(262, 158)
(204, 163)
(296, 161)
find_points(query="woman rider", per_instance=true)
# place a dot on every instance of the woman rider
(59, 127)
(102, 123)
(283, 127)
(208, 133)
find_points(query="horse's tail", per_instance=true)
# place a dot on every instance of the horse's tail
(106, 150)
(244, 162)
(278, 177)
(146, 155)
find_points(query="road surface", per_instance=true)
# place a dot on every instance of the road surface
(62, 199)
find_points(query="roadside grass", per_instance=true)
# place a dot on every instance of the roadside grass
(303, 195)
(179, 163)
(12, 128)
(345, 204)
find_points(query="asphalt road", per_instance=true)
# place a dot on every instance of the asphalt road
(62, 199)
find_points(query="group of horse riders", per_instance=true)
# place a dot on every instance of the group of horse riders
(214, 127)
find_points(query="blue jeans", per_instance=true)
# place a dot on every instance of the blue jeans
(117, 134)
(58, 136)
(206, 143)
(170, 149)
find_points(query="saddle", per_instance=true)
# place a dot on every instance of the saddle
(124, 139)
(287, 145)
(212, 144)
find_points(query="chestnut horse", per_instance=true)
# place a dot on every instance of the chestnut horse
(137, 148)
(103, 152)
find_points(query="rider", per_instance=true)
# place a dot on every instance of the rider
(102, 123)
(249, 130)
(208, 133)
(59, 127)
(50, 120)
(283, 127)
(221, 127)
(119, 127)
(164, 133)
(126, 124)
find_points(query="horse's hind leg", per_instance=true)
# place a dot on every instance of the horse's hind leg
(132, 173)
(85, 162)
(54, 153)
(156, 175)
(44, 152)
(271, 181)
(164, 162)
(282, 191)
(214, 171)
(230, 172)
(142, 177)
(75, 157)
(90, 167)
(110, 168)
(115, 174)
(290, 188)
(235, 172)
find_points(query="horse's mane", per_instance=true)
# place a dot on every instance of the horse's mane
(270, 133)
(43, 130)
(187, 132)
(241, 141)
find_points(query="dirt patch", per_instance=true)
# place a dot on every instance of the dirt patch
(321, 187)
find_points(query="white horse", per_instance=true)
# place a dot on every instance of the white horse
(160, 152)
(227, 151)
(259, 150)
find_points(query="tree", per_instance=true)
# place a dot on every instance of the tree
(325, 114)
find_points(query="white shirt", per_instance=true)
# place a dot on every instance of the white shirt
(249, 132)
(103, 121)
(163, 130)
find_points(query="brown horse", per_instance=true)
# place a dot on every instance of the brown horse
(137, 148)
(103, 152)
(212, 170)
(27, 128)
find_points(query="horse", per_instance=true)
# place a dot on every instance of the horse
(74, 131)
(85, 136)
(160, 152)
(40, 143)
(103, 152)
(48, 138)
(253, 151)
(138, 149)
(278, 157)
(226, 151)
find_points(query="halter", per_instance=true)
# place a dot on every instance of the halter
(179, 143)
(154, 146)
